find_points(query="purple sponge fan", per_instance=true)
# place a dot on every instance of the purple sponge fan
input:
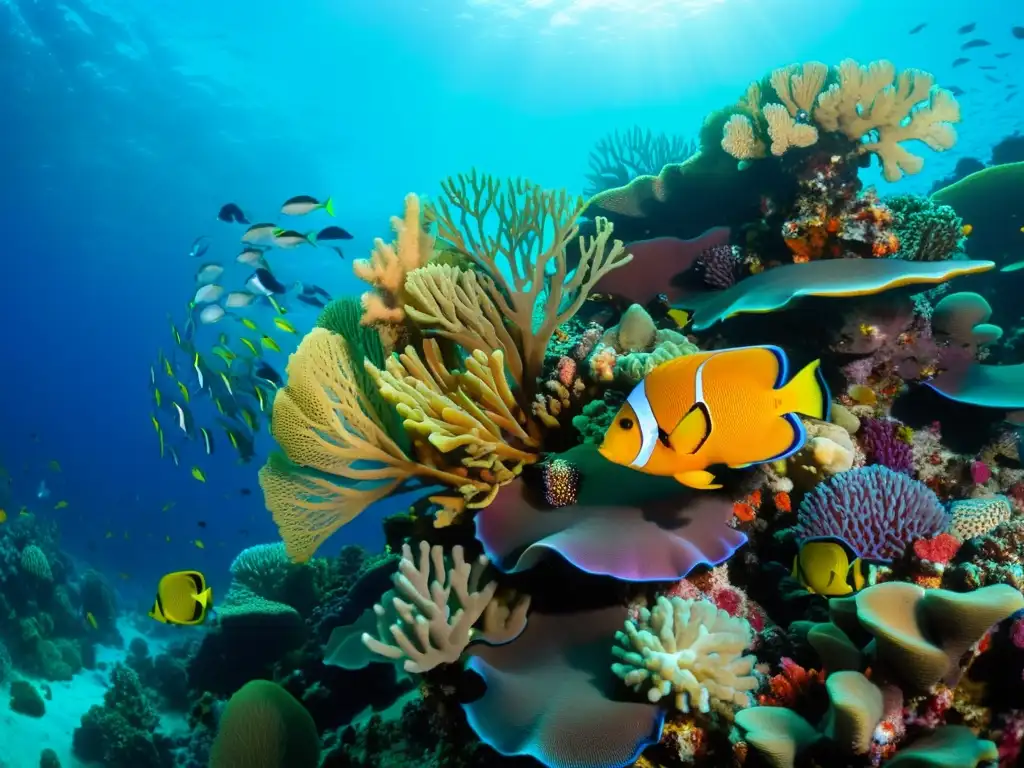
(877, 511)
(882, 445)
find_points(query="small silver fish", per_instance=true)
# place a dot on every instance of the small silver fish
(237, 299)
(300, 205)
(211, 314)
(208, 273)
(250, 256)
(257, 232)
(208, 294)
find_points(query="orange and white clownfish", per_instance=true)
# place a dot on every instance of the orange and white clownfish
(729, 406)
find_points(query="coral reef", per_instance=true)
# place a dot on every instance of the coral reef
(539, 603)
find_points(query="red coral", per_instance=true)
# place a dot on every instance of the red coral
(782, 502)
(786, 688)
(939, 549)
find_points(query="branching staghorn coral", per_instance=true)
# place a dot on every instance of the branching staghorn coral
(870, 104)
(471, 414)
(389, 264)
(516, 233)
(439, 636)
(456, 304)
(691, 649)
(337, 458)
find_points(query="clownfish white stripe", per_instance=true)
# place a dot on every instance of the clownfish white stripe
(648, 424)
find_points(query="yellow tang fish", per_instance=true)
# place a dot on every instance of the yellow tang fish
(92, 620)
(260, 398)
(160, 434)
(3, 515)
(182, 598)
(158, 397)
(679, 316)
(227, 383)
(248, 324)
(167, 368)
(284, 325)
(199, 544)
(966, 229)
(280, 310)
(730, 406)
(168, 506)
(184, 391)
(829, 566)
(156, 424)
(197, 473)
(250, 345)
(269, 343)
(60, 505)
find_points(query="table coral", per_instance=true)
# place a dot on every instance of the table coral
(688, 650)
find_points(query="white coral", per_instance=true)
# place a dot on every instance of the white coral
(689, 648)
(438, 635)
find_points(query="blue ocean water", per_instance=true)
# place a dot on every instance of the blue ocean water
(125, 126)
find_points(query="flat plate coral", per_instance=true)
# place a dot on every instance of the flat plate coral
(989, 386)
(775, 288)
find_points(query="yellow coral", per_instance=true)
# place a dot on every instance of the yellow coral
(388, 265)
(785, 131)
(524, 255)
(472, 415)
(899, 108)
(798, 86)
(457, 305)
(864, 101)
(740, 140)
(339, 459)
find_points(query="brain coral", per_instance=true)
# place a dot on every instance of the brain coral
(34, 561)
(265, 727)
(876, 510)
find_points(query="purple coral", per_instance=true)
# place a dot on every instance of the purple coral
(719, 266)
(877, 511)
(882, 445)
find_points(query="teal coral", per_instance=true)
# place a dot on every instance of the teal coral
(774, 289)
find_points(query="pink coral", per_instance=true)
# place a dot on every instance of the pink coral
(714, 585)
(980, 472)
(565, 371)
